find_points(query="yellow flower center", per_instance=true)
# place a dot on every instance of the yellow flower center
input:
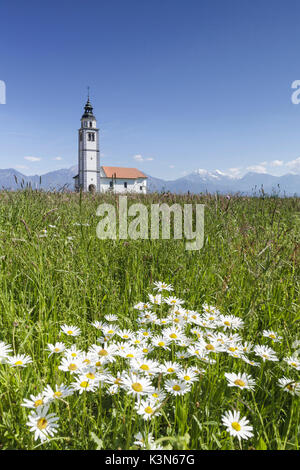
(117, 381)
(98, 364)
(125, 336)
(176, 388)
(227, 323)
(170, 369)
(69, 332)
(89, 375)
(110, 332)
(72, 367)
(231, 349)
(42, 423)
(18, 363)
(84, 384)
(272, 336)
(173, 335)
(74, 354)
(38, 403)
(155, 395)
(57, 394)
(210, 347)
(236, 426)
(239, 382)
(137, 387)
(211, 318)
(294, 364)
(187, 377)
(145, 350)
(102, 352)
(161, 343)
(148, 410)
(130, 355)
(144, 367)
(56, 350)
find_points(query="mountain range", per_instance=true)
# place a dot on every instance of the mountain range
(199, 181)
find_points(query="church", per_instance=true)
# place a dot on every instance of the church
(91, 176)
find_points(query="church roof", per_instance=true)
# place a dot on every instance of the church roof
(120, 172)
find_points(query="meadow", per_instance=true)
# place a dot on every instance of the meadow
(96, 353)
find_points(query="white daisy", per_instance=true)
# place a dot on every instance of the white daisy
(20, 360)
(160, 286)
(242, 381)
(42, 424)
(70, 330)
(290, 386)
(55, 348)
(5, 349)
(147, 408)
(236, 426)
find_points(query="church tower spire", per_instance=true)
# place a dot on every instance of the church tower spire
(88, 178)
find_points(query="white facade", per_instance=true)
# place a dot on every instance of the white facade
(88, 178)
(123, 185)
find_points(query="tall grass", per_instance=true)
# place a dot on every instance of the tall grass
(248, 266)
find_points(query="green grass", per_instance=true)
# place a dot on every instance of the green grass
(248, 267)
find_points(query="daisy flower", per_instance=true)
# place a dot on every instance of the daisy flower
(174, 334)
(293, 361)
(155, 299)
(237, 426)
(266, 353)
(70, 330)
(142, 306)
(98, 324)
(272, 335)
(170, 367)
(109, 330)
(61, 391)
(289, 385)
(177, 387)
(125, 334)
(137, 386)
(20, 360)
(82, 384)
(211, 310)
(173, 301)
(239, 380)
(148, 366)
(111, 318)
(188, 375)
(5, 349)
(105, 352)
(42, 424)
(147, 408)
(230, 322)
(71, 364)
(73, 352)
(55, 348)
(160, 286)
(35, 401)
(160, 342)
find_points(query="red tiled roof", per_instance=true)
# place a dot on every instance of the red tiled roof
(119, 172)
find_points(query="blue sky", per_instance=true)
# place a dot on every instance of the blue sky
(176, 85)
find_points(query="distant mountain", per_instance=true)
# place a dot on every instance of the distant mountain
(199, 181)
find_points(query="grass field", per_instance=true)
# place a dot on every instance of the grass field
(56, 272)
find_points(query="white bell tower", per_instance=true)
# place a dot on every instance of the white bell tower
(88, 178)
